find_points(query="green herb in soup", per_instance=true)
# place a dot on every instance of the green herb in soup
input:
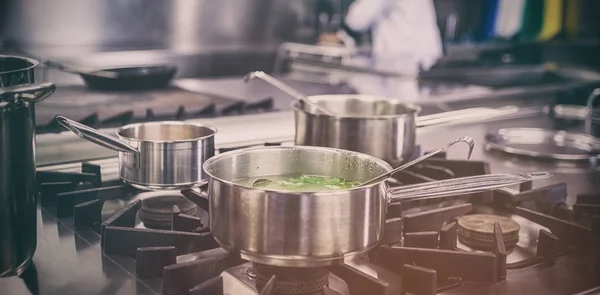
(303, 183)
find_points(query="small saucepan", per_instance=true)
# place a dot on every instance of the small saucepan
(313, 229)
(157, 155)
(378, 126)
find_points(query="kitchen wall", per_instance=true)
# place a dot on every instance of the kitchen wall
(518, 21)
(185, 25)
(73, 29)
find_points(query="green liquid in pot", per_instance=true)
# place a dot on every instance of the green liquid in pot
(302, 183)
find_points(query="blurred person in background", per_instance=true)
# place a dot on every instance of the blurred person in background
(405, 40)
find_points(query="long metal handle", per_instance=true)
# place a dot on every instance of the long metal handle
(352, 69)
(287, 89)
(461, 186)
(81, 70)
(464, 116)
(95, 136)
(30, 93)
(590, 110)
(468, 140)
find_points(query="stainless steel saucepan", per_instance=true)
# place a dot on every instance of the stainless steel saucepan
(378, 126)
(300, 229)
(156, 155)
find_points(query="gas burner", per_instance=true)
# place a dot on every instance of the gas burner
(419, 253)
(477, 230)
(292, 280)
(157, 212)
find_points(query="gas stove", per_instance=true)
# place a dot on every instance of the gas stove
(107, 109)
(127, 241)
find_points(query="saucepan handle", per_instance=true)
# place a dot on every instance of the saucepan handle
(464, 116)
(468, 140)
(461, 186)
(30, 92)
(95, 136)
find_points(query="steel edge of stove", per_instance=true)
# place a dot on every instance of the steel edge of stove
(206, 106)
(226, 139)
(410, 240)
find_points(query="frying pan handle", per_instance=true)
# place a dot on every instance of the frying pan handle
(95, 136)
(461, 186)
(31, 93)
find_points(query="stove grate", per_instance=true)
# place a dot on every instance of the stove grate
(419, 242)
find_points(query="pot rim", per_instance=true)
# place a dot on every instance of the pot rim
(34, 63)
(180, 123)
(412, 108)
(214, 159)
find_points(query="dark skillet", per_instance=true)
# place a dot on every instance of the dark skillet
(131, 78)
(127, 78)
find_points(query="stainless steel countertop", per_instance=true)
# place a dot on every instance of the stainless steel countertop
(53, 149)
(279, 127)
(64, 147)
(70, 261)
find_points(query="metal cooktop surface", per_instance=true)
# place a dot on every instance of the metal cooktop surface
(93, 241)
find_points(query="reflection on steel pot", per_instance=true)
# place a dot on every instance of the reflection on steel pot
(156, 155)
(300, 229)
(378, 126)
(18, 195)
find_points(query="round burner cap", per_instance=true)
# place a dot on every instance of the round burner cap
(477, 230)
(157, 212)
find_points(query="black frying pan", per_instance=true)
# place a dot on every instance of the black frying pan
(131, 78)
(122, 78)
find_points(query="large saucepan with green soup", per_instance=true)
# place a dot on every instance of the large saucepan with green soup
(312, 211)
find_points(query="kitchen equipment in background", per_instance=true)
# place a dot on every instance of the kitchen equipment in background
(124, 78)
(509, 19)
(157, 155)
(552, 20)
(80, 70)
(544, 144)
(298, 71)
(575, 112)
(113, 109)
(18, 191)
(273, 228)
(378, 126)
(131, 78)
(287, 89)
(157, 25)
(488, 15)
(581, 21)
(352, 69)
(572, 18)
(451, 28)
(587, 114)
(533, 19)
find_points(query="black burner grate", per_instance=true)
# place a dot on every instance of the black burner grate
(418, 247)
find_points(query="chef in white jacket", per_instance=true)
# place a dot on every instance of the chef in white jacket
(406, 40)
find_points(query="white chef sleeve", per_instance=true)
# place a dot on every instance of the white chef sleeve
(363, 13)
